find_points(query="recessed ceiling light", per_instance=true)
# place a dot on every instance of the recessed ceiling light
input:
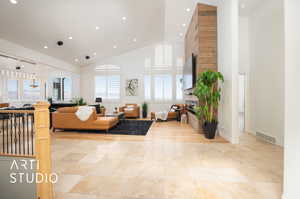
(243, 5)
(124, 18)
(70, 37)
(115, 46)
(183, 25)
(46, 47)
(76, 60)
(95, 53)
(180, 34)
(188, 9)
(13, 1)
(97, 27)
(134, 40)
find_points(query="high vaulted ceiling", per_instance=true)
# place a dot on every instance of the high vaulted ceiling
(38, 23)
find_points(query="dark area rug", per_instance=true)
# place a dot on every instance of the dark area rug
(131, 127)
(124, 127)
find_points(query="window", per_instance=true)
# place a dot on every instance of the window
(62, 89)
(107, 87)
(12, 89)
(147, 87)
(30, 92)
(163, 87)
(67, 87)
(179, 80)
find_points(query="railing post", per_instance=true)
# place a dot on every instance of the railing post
(43, 148)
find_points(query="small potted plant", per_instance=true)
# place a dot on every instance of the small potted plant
(102, 109)
(209, 96)
(145, 109)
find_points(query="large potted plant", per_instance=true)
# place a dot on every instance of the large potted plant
(145, 109)
(209, 95)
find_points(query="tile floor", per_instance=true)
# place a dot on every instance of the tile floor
(172, 162)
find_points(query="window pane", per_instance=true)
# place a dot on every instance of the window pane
(113, 91)
(100, 86)
(179, 87)
(163, 87)
(67, 88)
(29, 92)
(57, 89)
(147, 87)
(168, 87)
(107, 87)
(12, 89)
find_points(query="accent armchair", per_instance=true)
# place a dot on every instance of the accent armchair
(130, 110)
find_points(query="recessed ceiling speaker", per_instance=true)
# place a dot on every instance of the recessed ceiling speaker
(60, 43)
(87, 57)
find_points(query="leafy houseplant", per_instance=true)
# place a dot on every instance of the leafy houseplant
(145, 109)
(80, 101)
(209, 96)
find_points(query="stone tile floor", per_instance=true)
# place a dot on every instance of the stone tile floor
(171, 162)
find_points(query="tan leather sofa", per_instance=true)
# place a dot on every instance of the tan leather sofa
(134, 113)
(65, 118)
(4, 105)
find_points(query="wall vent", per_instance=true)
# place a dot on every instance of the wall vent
(266, 138)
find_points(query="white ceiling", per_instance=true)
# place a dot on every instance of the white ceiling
(176, 15)
(36, 23)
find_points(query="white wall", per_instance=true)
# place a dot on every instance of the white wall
(265, 100)
(292, 99)
(133, 64)
(228, 23)
(47, 67)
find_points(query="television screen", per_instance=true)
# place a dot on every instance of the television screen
(189, 73)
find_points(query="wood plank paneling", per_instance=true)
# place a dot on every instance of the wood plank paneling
(201, 40)
(201, 37)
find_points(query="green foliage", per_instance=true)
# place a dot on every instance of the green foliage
(145, 107)
(209, 95)
(79, 101)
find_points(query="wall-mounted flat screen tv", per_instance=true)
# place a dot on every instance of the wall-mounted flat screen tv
(189, 73)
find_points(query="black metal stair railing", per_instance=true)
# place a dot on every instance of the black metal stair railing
(17, 132)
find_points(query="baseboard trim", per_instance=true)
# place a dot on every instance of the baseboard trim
(283, 196)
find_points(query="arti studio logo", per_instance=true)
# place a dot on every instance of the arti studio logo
(22, 171)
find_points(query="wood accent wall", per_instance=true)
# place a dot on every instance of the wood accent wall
(201, 37)
(201, 40)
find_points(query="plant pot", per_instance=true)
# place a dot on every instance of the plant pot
(145, 114)
(210, 129)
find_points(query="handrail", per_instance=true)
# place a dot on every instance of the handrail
(25, 134)
(17, 111)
